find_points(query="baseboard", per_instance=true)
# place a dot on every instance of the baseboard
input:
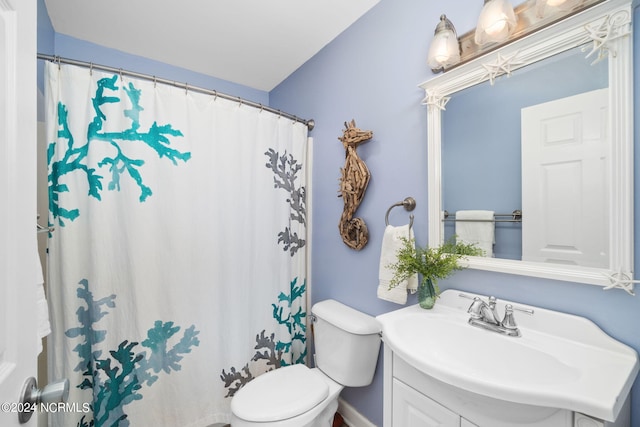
(351, 416)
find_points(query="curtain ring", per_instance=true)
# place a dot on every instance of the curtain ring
(215, 95)
(120, 72)
(186, 88)
(154, 81)
(261, 108)
(58, 58)
(239, 102)
(91, 68)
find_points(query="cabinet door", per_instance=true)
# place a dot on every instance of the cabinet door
(414, 409)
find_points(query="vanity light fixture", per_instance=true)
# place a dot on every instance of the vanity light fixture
(444, 50)
(496, 23)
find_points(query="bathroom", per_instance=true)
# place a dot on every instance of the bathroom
(371, 73)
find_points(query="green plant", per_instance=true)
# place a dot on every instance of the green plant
(431, 263)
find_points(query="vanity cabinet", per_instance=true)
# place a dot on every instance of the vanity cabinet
(562, 370)
(414, 399)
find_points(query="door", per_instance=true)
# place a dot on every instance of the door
(564, 187)
(18, 338)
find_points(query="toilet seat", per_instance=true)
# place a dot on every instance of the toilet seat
(280, 394)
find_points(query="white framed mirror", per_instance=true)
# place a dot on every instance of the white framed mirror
(601, 33)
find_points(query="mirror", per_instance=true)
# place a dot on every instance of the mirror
(476, 165)
(482, 160)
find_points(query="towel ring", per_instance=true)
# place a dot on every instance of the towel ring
(409, 204)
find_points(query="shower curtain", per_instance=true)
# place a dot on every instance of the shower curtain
(177, 267)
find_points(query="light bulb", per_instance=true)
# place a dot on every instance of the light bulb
(496, 26)
(444, 50)
(496, 22)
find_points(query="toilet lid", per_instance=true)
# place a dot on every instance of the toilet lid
(280, 394)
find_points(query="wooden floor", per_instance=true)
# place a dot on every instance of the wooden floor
(338, 421)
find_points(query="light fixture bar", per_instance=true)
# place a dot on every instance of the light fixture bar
(528, 23)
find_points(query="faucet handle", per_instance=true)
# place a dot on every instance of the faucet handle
(509, 322)
(528, 311)
(475, 309)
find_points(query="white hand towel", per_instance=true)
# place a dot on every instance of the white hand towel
(42, 308)
(481, 231)
(391, 242)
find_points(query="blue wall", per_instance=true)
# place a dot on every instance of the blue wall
(370, 73)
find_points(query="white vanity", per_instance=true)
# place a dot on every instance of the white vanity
(562, 371)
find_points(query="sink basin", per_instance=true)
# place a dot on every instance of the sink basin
(560, 361)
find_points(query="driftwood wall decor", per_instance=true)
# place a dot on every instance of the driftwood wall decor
(353, 183)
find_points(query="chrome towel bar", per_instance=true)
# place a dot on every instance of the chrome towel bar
(515, 216)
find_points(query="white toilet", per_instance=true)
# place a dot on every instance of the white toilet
(347, 343)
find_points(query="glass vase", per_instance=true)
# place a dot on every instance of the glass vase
(426, 294)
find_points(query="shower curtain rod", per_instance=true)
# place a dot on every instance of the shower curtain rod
(59, 60)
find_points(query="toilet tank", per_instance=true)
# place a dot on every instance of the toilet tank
(347, 343)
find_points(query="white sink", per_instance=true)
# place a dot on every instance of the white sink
(560, 361)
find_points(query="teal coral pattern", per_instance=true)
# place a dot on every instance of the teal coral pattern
(294, 321)
(275, 350)
(117, 379)
(286, 169)
(75, 158)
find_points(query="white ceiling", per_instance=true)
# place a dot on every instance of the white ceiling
(256, 43)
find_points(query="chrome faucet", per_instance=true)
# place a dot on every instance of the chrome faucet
(485, 315)
(482, 311)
